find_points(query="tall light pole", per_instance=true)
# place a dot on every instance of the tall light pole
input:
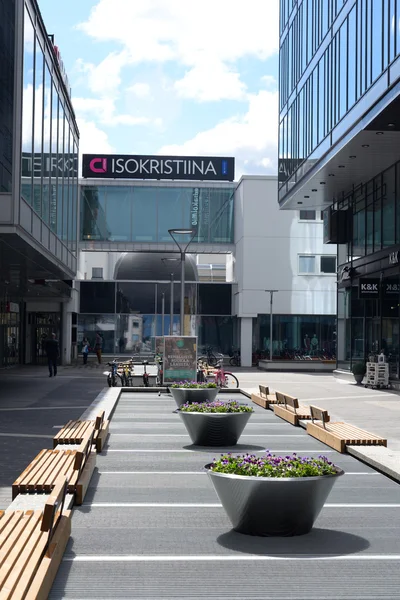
(167, 262)
(182, 249)
(162, 312)
(270, 320)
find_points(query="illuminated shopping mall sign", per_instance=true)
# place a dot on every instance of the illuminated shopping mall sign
(125, 166)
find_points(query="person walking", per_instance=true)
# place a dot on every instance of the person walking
(85, 350)
(53, 352)
(98, 346)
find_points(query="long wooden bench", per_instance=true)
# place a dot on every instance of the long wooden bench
(75, 431)
(264, 398)
(339, 435)
(77, 465)
(289, 409)
(32, 543)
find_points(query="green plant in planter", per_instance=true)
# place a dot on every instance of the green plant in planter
(216, 407)
(193, 385)
(359, 368)
(270, 465)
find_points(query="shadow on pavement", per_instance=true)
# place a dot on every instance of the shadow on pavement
(318, 543)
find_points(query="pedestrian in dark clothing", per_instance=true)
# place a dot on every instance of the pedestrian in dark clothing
(98, 346)
(52, 351)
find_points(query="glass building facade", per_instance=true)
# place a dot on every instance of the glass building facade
(139, 213)
(49, 168)
(7, 37)
(331, 53)
(129, 314)
(339, 131)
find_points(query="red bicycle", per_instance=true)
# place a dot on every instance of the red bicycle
(223, 378)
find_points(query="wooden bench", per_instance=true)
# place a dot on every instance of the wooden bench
(75, 431)
(264, 398)
(339, 435)
(32, 543)
(77, 465)
(289, 409)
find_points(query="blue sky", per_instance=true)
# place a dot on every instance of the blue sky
(168, 76)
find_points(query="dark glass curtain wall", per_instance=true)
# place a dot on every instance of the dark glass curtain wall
(129, 314)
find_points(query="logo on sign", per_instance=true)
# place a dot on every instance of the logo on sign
(98, 169)
(394, 258)
(369, 287)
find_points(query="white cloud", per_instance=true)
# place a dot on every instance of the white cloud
(250, 137)
(104, 79)
(207, 39)
(93, 139)
(209, 81)
(140, 90)
(103, 110)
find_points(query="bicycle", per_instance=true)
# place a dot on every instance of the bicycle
(209, 356)
(112, 375)
(224, 378)
(235, 359)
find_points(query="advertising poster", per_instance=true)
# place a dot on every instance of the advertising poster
(180, 359)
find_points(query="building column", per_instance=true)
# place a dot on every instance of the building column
(246, 341)
(65, 351)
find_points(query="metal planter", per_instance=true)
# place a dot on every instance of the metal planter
(214, 429)
(184, 395)
(267, 506)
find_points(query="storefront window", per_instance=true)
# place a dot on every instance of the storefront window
(89, 325)
(217, 332)
(296, 337)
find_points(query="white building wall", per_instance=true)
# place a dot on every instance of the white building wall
(268, 242)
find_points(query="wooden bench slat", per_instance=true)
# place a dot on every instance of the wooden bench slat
(339, 435)
(30, 483)
(5, 519)
(351, 431)
(18, 541)
(9, 526)
(50, 478)
(61, 432)
(47, 569)
(35, 461)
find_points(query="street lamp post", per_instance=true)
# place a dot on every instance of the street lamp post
(270, 320)
(166, 262)
(182, 249)
(162, 312)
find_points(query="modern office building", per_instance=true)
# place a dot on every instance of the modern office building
(38, 187)
(339, 152)
(123, 274)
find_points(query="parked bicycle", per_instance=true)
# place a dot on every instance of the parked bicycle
(234, 361)
(223, 378)
(112, 374)
(209, 357)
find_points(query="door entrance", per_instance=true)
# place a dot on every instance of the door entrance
(42, 325)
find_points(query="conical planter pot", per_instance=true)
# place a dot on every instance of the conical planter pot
(272, 506)
(190, 395)
(358, 378)
(214, 429)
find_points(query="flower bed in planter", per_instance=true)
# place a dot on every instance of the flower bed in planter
(215, 423)
(190, 391)
(270, 495)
